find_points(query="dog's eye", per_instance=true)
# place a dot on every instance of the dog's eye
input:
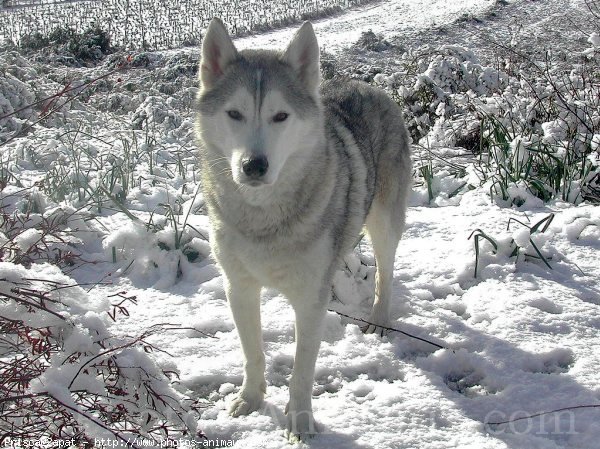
(280, 117)
(235, 115)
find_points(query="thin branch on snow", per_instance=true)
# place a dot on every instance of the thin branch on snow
(391, 329)
(575, 407)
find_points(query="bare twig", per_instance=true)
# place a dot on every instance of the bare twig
(54, 102)
(126, 441)
(575, 407)
(391, 329)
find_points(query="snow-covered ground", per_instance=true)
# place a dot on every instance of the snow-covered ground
(523, 340)
(386, 17)
(521, 336)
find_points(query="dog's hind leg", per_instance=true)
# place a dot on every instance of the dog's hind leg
(243, 294)
(384, 224)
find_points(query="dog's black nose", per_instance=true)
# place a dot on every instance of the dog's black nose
(255, 166)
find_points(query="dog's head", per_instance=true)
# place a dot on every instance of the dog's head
(259, 109)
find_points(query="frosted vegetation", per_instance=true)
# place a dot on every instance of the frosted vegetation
(533, 125)
(156, 24)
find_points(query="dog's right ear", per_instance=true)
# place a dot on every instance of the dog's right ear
(218, 52)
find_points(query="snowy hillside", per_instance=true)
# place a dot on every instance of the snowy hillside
(113, 316)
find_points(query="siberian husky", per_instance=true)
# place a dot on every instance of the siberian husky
(291, 171)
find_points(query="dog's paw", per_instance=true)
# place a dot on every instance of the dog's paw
(374, 329)
(245, 404)
(301, 425)
(378, 323)
(296, 438)
(376, 326)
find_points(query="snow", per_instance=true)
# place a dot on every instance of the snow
(385, 17)
(520, 338)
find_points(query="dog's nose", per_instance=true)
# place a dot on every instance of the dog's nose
(255, 166)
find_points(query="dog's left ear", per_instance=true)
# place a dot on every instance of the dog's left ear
(218, 52)
(303, 55)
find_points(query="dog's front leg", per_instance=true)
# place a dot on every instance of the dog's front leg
(310, 312)
(243, 294)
